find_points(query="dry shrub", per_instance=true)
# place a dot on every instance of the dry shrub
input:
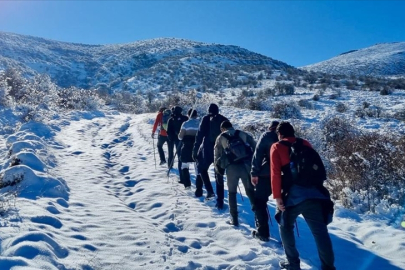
(370, 164)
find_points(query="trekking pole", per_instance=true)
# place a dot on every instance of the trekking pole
(296, 226)
(154, 154)
(240, 192)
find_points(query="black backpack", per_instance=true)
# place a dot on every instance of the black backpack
(306, 167)
(237, 151)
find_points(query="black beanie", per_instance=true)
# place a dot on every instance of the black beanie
(213, 109)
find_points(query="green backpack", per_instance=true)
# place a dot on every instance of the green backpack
(166, 115)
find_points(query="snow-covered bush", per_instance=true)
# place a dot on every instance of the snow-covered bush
(365, 163)
(285, 110)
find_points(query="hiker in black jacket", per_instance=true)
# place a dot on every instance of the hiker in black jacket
(260, 177)
(173, 129)
(203, 153)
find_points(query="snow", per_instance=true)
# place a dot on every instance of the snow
(91, 197)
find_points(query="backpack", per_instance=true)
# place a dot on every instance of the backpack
(237, 150)
(166, 115)
(178, 121)
(305, 168)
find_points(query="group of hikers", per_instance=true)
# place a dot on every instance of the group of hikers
(277, 164)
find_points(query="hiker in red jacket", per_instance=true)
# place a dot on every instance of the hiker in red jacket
(294, 199)
(162, 134)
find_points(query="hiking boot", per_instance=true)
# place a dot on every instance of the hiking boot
(188, 187)
(220, 205)
(286, 265)
(233, 222)
(162, 162)
(256, 235)
(198, 193)
(210, 196)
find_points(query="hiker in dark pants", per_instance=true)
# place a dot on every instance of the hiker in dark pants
(260, 177)
(234, 169)
(293, 200)
(162, 137)
(173, 129)
(203, 152)
(187, 134)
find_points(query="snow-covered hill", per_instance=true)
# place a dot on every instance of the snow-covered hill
(385, 59)
(151, 64)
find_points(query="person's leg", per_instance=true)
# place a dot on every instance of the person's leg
(232, 180)
(249, 188)
(262, 194)
(219, 180)
(207, 182)
(160, 141)
(312, 213)
(170, 146)
(286, 227)
(186, 174)
(198, 185)
(178, 152)
(262, 218)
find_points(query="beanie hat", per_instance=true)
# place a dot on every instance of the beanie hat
(192, 113)
(213, 109)
(273, 125)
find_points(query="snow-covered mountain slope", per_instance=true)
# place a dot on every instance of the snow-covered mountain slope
(150, 64)
(385, 59)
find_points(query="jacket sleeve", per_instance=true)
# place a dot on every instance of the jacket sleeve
(218, 149)
(258, 156)
(251, 142)
(158, 122)
(201, 133)
(182, 132)
(275, 171)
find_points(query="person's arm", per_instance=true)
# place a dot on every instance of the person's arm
(218, 151)
(275, 171)
(201, 133)
(182, 132)
(251, 142)
(257, 158)
(158, 122)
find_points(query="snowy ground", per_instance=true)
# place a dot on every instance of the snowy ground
(92, 198)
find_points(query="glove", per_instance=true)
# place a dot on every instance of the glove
(153, 135)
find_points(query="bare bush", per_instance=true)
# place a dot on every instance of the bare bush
(341, 107)
(366, 164)
(307, 104)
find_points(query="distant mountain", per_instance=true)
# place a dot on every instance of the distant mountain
(385, 59)
(162, 64)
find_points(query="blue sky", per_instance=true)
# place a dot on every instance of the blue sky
(295, 32)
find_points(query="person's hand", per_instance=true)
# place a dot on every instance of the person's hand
(280, 204)
(254, 180)
(153, 135)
